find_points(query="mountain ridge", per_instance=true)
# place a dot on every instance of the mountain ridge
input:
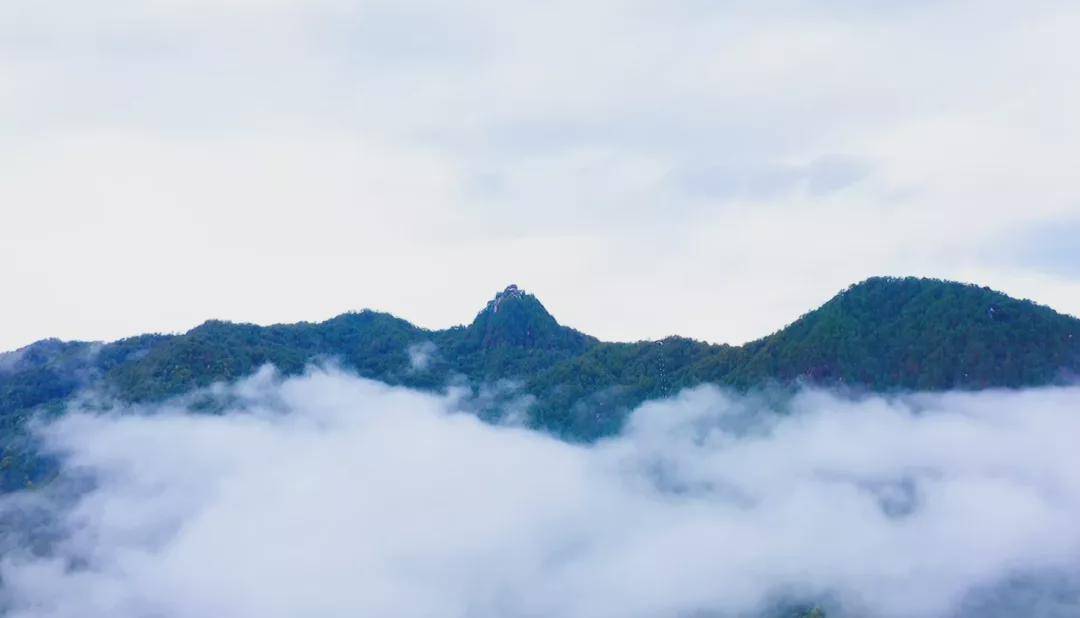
(882, 334)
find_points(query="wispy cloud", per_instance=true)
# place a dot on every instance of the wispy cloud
(420, 355)
(738, 181)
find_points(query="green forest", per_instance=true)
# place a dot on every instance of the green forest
(884, 334)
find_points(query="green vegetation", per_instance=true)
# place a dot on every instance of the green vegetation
(883, 334)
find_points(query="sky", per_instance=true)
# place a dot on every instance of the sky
(328, 495)
(646, 167)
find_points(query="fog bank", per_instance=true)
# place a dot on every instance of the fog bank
(330, 495)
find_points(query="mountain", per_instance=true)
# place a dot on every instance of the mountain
(511, 337)
(883, 334)
(887, 333)
(516, 319)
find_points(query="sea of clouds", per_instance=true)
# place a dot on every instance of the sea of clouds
(330, 495)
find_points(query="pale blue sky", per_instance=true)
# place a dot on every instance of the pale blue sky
(711, 169)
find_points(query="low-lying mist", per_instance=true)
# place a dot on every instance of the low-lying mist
(331, 495)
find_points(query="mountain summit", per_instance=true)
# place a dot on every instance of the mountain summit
(515, 318)
(511, 293)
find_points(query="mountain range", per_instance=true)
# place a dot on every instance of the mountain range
(884, 334)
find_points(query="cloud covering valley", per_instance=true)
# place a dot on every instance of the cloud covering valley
(326, 494)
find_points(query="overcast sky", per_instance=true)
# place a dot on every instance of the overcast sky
(645, 167)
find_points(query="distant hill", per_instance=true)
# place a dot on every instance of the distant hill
(884, 334)
(887, 333)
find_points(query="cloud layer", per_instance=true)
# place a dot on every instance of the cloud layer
(329, 495)
(415, 156)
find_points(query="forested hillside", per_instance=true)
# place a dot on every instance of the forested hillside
(882, 334)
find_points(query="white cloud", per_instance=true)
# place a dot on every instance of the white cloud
(420, 355)
(331, 495)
